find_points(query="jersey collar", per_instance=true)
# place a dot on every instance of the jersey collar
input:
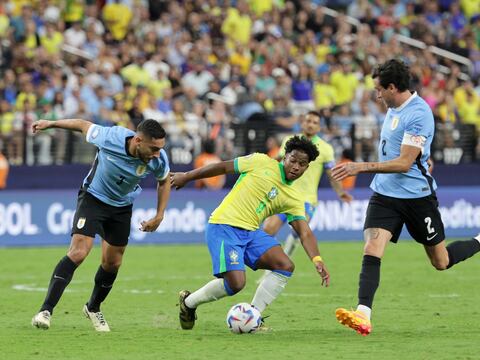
(126, 146)
(282, 174)
(406, 102)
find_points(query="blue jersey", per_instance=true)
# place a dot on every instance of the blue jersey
(410, 124)
(115, 173)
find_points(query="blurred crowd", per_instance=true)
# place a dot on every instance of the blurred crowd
(229, 72)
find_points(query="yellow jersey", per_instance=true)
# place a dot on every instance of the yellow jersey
(307, 184)
(261, 190)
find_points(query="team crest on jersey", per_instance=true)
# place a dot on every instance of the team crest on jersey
(272, 194)
(395, 121)
(141, 169)
(81, 222)
(233, 257)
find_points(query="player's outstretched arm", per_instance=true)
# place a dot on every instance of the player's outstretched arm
(309, 243)
(67, 124)
(400, 164)
(163, 195)
(179, 180)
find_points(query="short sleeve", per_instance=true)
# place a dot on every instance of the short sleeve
(161, 172)
(97, 135)
(420, 124)
(296, 212)
(328, 157)
(418, 129)
(250, 162)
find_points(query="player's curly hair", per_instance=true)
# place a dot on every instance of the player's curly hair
(152, 129)
(394, 72)
(303, 144)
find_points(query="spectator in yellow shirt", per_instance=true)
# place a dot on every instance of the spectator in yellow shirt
(52, 40)
(238, 24)
(117, 17)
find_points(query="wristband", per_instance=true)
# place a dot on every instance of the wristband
(317, 258)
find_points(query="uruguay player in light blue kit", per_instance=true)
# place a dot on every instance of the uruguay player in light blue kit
(404, 191)
(104, 206)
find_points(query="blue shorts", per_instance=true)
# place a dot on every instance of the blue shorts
(309, 211)
(232, 248)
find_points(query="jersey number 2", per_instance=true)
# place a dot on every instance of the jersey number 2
(428, 221)
(384, 142)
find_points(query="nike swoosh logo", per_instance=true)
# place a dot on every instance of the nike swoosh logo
(431, 237)
(58, 277)
(110, 158)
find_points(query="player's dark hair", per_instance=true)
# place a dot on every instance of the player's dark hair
(394, 72)
(152, 129)
(314, 113)
(302, 144)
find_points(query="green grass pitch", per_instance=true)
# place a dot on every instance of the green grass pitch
(419, 313)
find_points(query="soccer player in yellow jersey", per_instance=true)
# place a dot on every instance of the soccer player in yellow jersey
(308, 183)
(265, 187)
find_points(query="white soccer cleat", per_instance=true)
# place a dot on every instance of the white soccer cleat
(42, 320)
(98, 321)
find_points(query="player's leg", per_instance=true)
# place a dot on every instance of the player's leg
(272, 224)
(104, 278)
(383, 223)
(80, 247)
(227, 252)
(444, 257)
(116, 230)
(106, 274)
(264, 252)
(424, 222)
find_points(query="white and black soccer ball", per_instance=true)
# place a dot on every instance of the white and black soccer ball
(243, 318)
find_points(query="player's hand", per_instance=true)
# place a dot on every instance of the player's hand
(41, 125)
(150, 225)
(345, 197)
(323, 272)
(178, 180)
(344, 170)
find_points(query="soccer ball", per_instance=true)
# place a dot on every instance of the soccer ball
(243, 318)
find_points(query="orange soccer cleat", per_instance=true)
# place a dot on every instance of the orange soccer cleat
(355, 320)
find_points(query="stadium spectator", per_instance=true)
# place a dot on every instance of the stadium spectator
(207, 157)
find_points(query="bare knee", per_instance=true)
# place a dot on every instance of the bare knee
(236, 285)
(78, 253)
(284, 265)
(372, 250)
(440, 264)
(111, 266)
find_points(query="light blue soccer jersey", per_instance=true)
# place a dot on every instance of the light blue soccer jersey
(115, 174)
(410, 124)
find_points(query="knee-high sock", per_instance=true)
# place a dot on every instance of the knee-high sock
(270, 288)
(211, 291)
(369, 280)
(462, 250)
(103, 284)
(61, 277)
